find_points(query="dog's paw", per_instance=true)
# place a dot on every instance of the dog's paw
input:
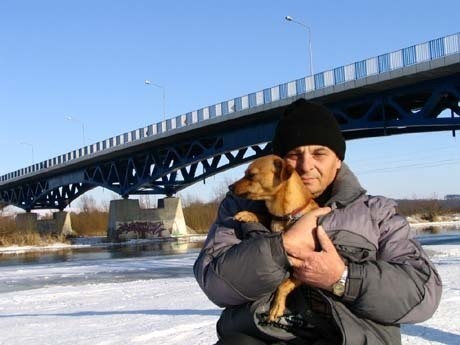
(276, 311)
(246, 217)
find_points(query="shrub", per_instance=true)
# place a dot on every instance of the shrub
(92, 223)
(9, 235)
(199, 216)
(428, 209)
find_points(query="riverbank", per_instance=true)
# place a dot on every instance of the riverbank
(96, 241)
(455, 223)
(448, 219)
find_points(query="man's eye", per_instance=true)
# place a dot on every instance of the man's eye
(320, 154)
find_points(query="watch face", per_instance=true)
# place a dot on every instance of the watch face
(338, 289)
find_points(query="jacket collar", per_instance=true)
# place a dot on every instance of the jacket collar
(345, 189)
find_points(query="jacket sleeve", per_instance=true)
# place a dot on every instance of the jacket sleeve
(239, 262)
(401, 285)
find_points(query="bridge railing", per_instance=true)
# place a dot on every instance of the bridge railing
(416, 54)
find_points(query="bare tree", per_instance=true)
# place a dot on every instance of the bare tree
(2, 206)
(88, 204)
(148, 201)
(221, 190)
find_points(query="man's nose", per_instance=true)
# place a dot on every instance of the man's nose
(306, 162)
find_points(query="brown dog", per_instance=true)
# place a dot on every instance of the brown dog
(269, 178)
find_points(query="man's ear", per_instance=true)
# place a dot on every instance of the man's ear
(338, 164)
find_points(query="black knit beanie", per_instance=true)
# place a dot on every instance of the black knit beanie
(308, 123)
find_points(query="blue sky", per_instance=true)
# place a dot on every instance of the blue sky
(89, 59)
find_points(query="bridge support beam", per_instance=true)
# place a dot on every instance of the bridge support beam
(60, 224)
(128, 221)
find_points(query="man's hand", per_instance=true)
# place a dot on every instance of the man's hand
(301, 235)
(319, 269)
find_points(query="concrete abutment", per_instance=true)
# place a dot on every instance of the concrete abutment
(60, 224)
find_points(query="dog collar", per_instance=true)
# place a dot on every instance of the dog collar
(292, 217)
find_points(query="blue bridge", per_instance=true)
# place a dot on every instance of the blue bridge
(415, 89)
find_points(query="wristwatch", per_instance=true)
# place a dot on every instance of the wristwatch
(338, 288)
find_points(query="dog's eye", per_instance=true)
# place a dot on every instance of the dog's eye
(250, 176)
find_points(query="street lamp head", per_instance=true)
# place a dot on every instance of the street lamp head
(290, 19)
(148, 82)
(75, 119)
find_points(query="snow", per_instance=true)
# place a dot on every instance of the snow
(79, 308)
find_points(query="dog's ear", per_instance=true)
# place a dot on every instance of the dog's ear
(283, 170)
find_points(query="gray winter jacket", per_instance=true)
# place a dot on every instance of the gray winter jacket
(391, 279)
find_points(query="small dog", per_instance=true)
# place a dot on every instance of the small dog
(269, 178)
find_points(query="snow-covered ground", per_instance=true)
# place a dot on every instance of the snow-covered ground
(170, 309)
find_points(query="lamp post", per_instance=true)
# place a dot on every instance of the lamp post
(290, 19)
(72, 118)
(148, 82)
(32, 148)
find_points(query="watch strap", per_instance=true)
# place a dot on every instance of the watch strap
(354, 279)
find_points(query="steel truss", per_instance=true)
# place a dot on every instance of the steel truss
(167, 168)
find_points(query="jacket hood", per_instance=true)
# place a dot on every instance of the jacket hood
(345, 188)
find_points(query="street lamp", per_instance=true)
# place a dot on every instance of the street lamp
(32, 148)
(148, 82)
(290, 19)
(71, 118)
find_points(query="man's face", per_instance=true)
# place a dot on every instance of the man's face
(317, 166)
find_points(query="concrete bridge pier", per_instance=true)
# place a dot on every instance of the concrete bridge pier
(128, 221)
(27, 222)
(60, 224)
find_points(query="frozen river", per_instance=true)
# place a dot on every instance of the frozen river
(101, 265)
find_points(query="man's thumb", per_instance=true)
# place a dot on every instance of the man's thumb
(324, 240)
(321, 211)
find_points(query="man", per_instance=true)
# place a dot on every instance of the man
(368, 277)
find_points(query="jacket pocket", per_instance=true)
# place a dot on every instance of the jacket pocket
(353, 247)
